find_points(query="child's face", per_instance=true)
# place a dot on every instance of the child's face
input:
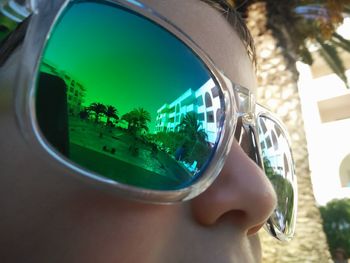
(50, 217)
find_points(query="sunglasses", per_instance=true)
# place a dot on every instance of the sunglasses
(122, 98)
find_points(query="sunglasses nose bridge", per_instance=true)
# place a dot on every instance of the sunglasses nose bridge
(247, 137)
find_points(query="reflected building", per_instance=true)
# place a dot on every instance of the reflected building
(274, 145)
(205, 102)
(75, 90)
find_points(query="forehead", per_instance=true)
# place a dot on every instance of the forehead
(215, 36)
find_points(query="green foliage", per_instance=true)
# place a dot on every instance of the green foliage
(84, 114)
(169, 140)
(284, 189)
(331, 56)
(336, 224)
(111, 112)
(298, 23)
(194, 139)
(190, 136)
(190, 127)
(137, 120)
(99, 109)
(341, 42)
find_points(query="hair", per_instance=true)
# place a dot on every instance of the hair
(226, 7)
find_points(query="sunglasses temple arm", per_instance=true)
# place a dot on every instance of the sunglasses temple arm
(13, 41)
(254, 148)
(12, 14)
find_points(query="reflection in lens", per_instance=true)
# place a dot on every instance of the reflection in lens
(278, 166)
(121, 96)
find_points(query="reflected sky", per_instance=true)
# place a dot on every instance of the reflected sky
(122, 59)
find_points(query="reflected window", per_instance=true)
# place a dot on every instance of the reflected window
(274, 140)
(215, 92)
(268, 142)
(286, 164)
(208, 101)
(210, 117)
(262, 125)
(218, 117)
(200, 116)
(199, 101)
(278, 130)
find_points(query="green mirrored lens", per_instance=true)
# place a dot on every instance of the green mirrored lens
(278, 166)
(121, 96)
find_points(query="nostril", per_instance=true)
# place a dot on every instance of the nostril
(238, 217)
(241, 195)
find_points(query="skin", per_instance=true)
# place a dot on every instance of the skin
(49, 217)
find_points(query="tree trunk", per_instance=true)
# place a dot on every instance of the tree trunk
(279, 92)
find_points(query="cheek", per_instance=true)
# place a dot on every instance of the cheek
(120, 230)
(254, 246)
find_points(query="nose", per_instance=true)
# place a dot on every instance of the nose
(241, 193)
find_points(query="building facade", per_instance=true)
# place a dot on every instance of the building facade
(75, 90)
(205, 102)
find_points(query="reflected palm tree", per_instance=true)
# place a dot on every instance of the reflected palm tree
(194, 140)
(111, 112)
(99, 109)
(142, 117)
(84, 114)
(129, 118)
(285, 191)
(191, 127)
(137, 120)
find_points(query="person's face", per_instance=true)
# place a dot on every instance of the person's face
(50, 217)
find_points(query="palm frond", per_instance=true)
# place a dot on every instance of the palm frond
(332, 58)
(347, 9)
(296, 23)
(305, 55)
(341, 42)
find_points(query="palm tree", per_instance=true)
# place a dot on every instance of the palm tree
(111, 112)
(194, 139)
(142, 117)
(191, 127)
(299, 26)
(84, 114)
(137, 119)
(129, 118)
(99, 109)
(282, 32)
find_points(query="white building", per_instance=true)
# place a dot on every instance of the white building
(326, 112)
(205, 102)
